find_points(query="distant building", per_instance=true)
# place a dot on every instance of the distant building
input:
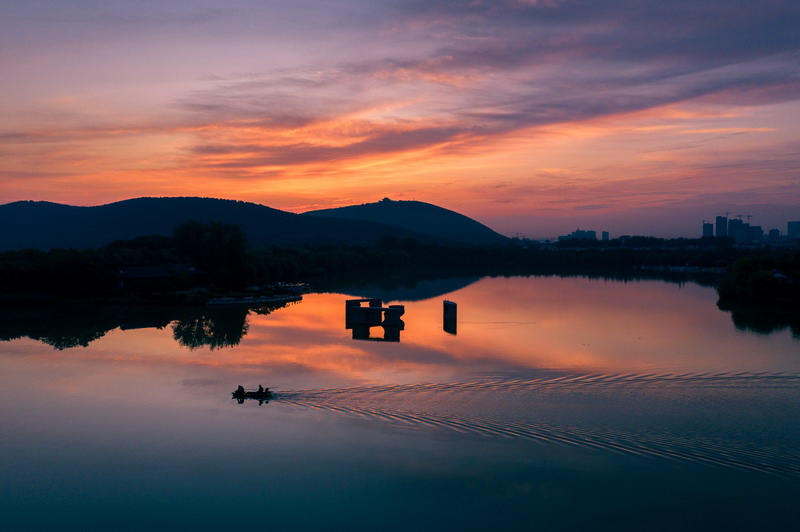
(605, 236)
(578, 234)
(708, 229)
(754, 233)
(737, 230)
(774, 235)
(793, 230)
(722, 226)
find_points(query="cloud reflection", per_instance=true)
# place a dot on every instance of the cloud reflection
(506, 326)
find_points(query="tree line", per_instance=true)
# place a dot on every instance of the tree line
(225, 262)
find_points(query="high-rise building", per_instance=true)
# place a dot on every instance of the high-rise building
(755, 233)
(605, 236)
(708, 229)
(722, 226)
(793, 230)
(737, 230)
(579, 234)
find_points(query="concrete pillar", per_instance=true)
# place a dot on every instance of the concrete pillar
(450, 317)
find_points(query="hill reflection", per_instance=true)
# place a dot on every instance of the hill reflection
(71, 326)
(409, 289)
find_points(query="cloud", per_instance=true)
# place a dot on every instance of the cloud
(494, 68)
(408, 94)
(394, 142)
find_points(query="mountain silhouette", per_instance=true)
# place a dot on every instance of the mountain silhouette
(46, 225)
(419, 217)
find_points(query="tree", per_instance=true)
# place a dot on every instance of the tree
(218, 248)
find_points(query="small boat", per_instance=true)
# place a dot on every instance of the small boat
(262, 393)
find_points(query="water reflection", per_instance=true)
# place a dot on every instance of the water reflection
(406, 289)
(518, 326)
(66, 327)
(491, 408)
(223, 328)
(764, 319)
(58, 327)
(635, 399)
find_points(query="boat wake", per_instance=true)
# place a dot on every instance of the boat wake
(533, 410)
(735, 380)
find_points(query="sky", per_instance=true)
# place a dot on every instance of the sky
(535, 117)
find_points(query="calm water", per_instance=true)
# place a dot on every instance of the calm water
(560, 404)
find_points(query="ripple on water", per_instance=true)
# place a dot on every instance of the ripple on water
(625, 413)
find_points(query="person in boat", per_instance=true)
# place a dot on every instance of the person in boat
(240, 390)
(260, 389)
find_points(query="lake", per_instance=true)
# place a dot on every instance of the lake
(560, 403)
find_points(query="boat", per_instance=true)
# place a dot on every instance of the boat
(262, 393)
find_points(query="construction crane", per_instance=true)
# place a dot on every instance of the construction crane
(726, 213)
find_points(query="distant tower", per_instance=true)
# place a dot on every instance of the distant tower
(708, 229)
(722, 226)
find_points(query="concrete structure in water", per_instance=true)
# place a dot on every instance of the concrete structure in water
(450, 317)
(360, 319)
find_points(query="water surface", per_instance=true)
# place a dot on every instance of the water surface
(560, 404)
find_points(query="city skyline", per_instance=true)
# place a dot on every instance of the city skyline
(732, 226)
(532, 117)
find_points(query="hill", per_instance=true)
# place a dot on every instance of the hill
(46, 225)
(419, 217)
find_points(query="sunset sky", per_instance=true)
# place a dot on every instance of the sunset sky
(533, 116)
